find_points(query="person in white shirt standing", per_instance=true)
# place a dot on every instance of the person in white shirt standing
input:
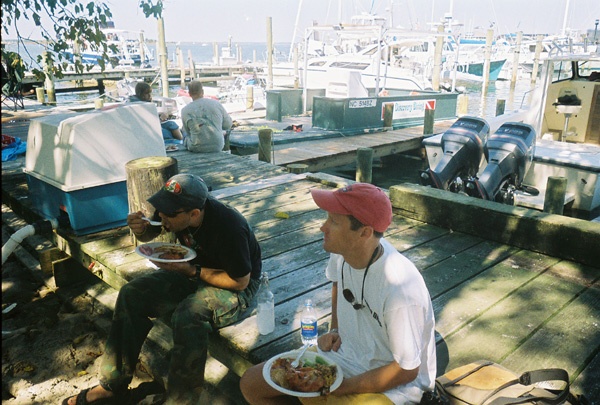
(382, 325)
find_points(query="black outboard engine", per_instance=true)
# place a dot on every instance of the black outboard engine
(509, 152)
(462, 145)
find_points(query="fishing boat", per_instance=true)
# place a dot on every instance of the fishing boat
(125, 48)
(558, 136)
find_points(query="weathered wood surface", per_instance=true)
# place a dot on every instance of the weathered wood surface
(327, 153)
(557, 235)
(492, 299)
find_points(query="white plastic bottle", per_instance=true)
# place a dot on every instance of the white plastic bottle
(309, 324)
(266, 307)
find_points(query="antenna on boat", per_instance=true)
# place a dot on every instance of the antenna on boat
(295, 30)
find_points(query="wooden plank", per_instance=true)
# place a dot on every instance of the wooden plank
(493, 335)
(469, 297)
(557, 235)
(440, 249)
(457, 268)
(566, 341)
(586, 382)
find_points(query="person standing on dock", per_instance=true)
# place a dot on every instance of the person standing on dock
(382, 331)
(210, 291)
(205, 122)
(170, 129)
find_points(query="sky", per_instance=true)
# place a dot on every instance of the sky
(208, 21)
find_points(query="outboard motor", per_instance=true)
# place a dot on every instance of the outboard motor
(509, 152)
(462, 145)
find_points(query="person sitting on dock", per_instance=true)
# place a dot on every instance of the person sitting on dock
(170, 129)
(382, 320)
(204, 122)
(210, 291)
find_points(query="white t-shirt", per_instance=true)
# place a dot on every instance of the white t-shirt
(396, 294)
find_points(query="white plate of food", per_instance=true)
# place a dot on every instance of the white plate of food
(315, 376)
(165, 252)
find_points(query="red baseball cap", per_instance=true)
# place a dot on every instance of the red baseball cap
(365, 202)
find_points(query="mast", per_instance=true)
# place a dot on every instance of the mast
(564, 27)
(295, 30)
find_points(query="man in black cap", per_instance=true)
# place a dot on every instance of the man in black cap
(210, 291)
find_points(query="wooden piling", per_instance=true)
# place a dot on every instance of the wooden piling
(216, 59)
(142, 49)
(437, 61)
(364, 165)
(536, 58)
(181, 67)
(98, 103)
(462, 105)
(516, 54)
(144, 177)
(297, 168)
(40, 95)
(265, 140)
(487, 57)
(49, 81)
(554, 200)
(296, 69)
(192, 65)
(388, 116)
(500, 105)
(250, 98)
(162, 46)
(428, 121)
(269, 53)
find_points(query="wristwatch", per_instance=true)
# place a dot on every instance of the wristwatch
(196, 275)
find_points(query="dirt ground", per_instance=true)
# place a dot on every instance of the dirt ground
(52, 340)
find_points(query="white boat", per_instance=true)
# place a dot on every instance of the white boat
(234, 95)
(370, 62)
(125, 48)
(564, 114)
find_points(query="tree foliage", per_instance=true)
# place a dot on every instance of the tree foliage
(70, 22)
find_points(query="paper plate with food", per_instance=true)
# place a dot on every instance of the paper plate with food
(165, 252)
(316, 375)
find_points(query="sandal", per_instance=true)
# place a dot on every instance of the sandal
(81, 399)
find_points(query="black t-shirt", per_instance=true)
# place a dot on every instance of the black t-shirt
(224, 241)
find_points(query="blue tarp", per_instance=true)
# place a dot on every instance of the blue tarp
(12, 150)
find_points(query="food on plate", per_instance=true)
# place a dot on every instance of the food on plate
(171, 252)
(147, 250)
(307, 377)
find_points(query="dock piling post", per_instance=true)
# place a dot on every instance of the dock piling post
(49, 81)
(388, 117)
(250, 98)
(364, 165)
(297, 168)
(428, 122)
(500, 105)
(144, 177)
(554, 200)
(40, 95)
(192, 65)
(181, 67)
(265, 139)
(462, 105)
(516, 54)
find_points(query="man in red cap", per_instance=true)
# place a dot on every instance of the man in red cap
(382, 321)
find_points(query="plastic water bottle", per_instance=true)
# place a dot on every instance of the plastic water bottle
(309, 324)
(266, 307)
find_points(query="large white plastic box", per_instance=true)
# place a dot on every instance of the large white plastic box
(75, 162)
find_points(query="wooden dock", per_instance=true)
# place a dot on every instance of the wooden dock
(497, 294)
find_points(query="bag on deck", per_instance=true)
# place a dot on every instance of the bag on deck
(487, 383)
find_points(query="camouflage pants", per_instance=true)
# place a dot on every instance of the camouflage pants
(195, 309)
